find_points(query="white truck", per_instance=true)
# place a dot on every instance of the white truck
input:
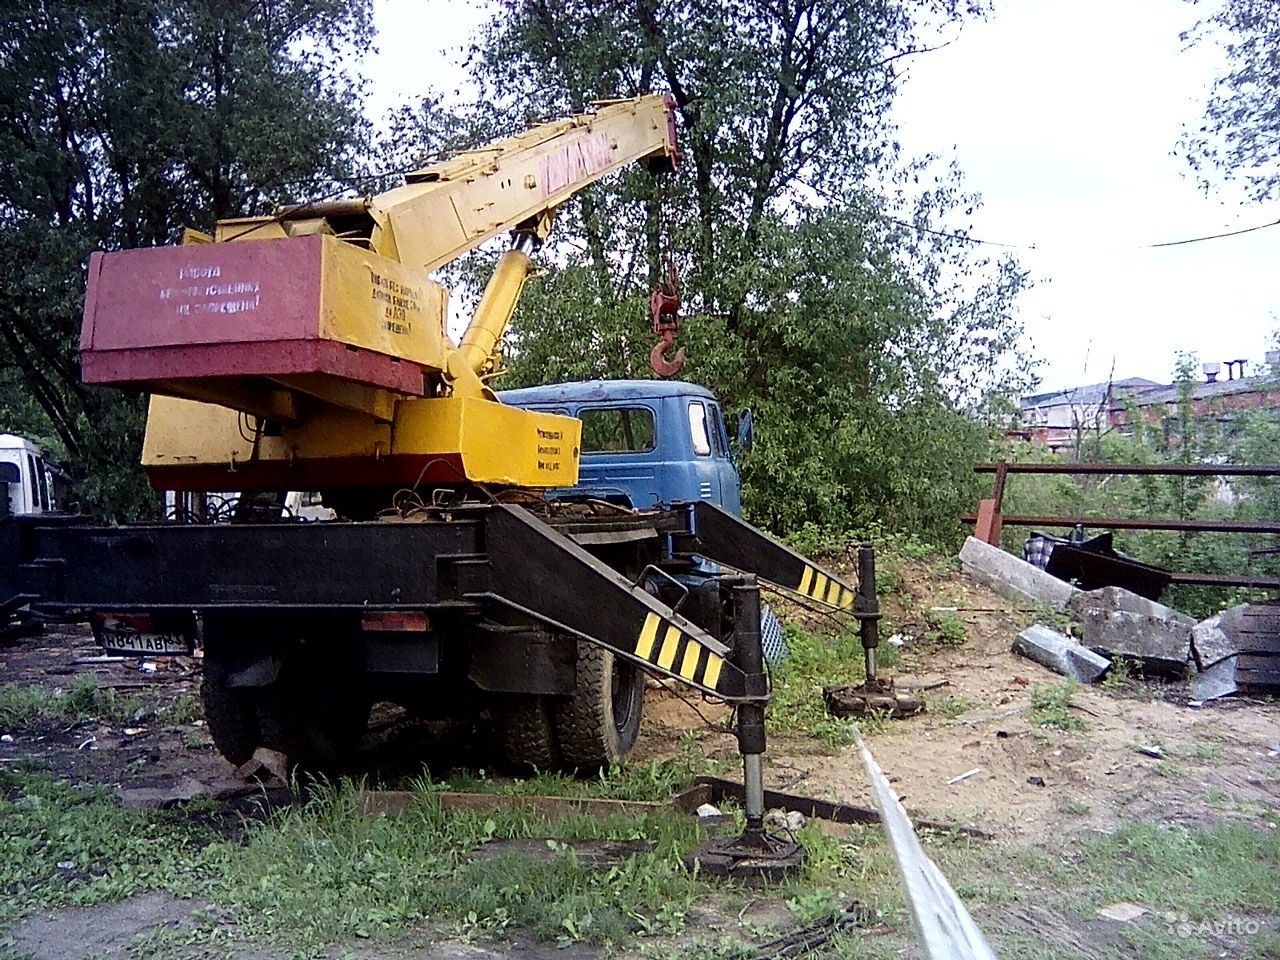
(26, 475)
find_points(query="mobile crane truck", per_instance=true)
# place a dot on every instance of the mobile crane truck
(307, 351)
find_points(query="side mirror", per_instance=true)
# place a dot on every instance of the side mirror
(746, 431)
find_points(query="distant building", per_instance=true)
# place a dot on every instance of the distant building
(1220, 399)
(1057, 420)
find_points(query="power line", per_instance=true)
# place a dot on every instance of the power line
(1034, 246)
(979, 241)
(1212, 236)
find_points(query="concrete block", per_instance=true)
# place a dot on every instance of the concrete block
(1012, 576)
(1060, 653)
(1218, 637)
(1217, 681)
(1160, 646)
(1112, 599)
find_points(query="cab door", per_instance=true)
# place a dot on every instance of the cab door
(704, 442)
(730, 481)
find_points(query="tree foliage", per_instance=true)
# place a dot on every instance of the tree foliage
(121, 122)
(818, 287)
(1240, 137)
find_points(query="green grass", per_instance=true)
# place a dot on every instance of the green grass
(23, 707)
(652, 780)
(62, 845)
(1200, 871)
(319, 873)
(814, 661)
(183, 709)
(953, 707)
(1051, 706)
(946, 629)
(1119, 676)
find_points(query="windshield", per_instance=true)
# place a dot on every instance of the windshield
(617, 430)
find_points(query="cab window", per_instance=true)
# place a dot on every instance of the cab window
(43, 476)
(698, 430)
(617, 430)
(718, 440)
(37, 501)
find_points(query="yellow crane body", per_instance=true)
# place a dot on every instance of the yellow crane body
(308, 350)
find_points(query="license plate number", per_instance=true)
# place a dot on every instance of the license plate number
(116, 637)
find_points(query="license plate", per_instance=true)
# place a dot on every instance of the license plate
(120, 636)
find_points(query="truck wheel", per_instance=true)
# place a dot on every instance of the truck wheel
(527, 734)
(230, 713)
(314, 711)
(308, 727)
(599, 722)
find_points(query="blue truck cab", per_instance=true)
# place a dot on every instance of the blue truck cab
(645, 443)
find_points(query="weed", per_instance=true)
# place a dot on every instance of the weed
(1200, 871)
(1119, 676)
(321, 872)
(1051, 706)
(954, 707)
(182, 710)
(835, 732)
(1207, 751)
(814, 661)
(63, 845)
(946, 628)
(820, 904)
(1075, 808)
(622, 780)
(28, 706)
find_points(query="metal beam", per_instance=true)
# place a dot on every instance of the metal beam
(1137, 469)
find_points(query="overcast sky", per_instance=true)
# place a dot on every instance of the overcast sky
(1064, 115)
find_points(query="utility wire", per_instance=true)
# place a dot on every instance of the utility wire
(978, 241)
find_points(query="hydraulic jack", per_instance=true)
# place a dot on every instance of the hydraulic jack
(877, 695)
(756, 853)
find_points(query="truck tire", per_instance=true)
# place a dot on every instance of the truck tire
(600, 721)
(527, 734)
(313, 729)
(315, 710)
(230, 714)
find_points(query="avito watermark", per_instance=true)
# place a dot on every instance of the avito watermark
(1182, 927)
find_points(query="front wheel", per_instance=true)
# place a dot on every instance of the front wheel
(600, 721)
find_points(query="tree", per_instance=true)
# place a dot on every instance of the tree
(1240, 136)
(123, 121)
(823, 290)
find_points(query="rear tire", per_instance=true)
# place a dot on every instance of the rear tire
(527, 733)
(314, 712)
(600, 721)
(230, 713)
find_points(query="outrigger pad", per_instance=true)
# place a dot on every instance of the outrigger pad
(758, 856)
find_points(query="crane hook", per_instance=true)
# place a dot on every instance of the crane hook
(664, 304)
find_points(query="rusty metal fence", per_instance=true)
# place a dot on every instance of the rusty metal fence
(990, 519)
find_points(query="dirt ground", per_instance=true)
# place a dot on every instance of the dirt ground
(1215, 762)
(1220, 759)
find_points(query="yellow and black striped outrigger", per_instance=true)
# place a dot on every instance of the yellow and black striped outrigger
(548, 573)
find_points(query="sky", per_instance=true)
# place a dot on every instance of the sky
(1065, 116)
